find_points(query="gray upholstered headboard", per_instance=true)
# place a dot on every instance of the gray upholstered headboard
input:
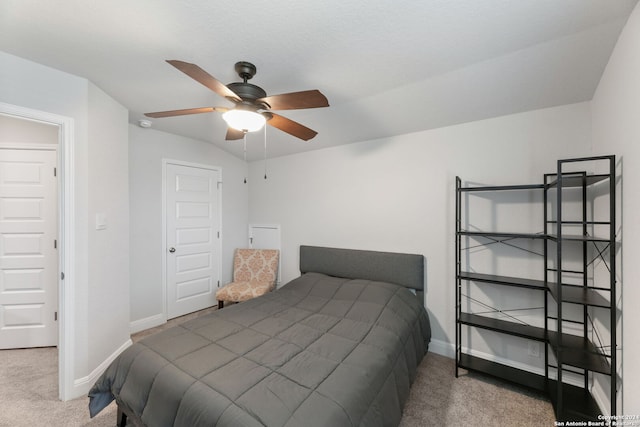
(402, 269)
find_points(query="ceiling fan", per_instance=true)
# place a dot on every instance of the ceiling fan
(253, 108)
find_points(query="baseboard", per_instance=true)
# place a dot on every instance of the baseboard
(83, 385)
(507, 362)
(601, 398)
(442, 348)
(575, 381)
(447, 349)
(147, 323)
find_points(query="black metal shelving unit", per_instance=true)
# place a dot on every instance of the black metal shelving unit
(577, 226)
(571, 342)
(511, 327)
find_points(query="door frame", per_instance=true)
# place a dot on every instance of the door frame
(163, 249)
(66, 237)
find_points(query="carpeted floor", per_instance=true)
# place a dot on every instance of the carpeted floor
(28, 396)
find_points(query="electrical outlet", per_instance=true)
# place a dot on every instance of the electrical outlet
(534, 349)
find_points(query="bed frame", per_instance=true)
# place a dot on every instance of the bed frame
(402, 269)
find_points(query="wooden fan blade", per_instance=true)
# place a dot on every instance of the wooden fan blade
(202, 77)
(233, 134)
(185, 112)
(296, 100)
(291, 127)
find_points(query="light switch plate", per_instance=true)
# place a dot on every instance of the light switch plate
(101, 221)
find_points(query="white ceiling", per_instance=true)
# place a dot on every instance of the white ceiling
(387, 67)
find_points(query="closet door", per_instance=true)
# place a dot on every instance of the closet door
(192, 237)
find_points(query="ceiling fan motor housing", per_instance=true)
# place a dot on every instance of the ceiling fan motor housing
(247, 91)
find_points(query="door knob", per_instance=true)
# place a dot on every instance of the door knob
(172, 250)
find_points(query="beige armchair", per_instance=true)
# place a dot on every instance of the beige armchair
(254, 274)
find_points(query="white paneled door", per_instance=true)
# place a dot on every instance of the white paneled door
(193, 245)
(28, 254)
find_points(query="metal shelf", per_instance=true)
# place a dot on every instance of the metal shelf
(504, 372)
(503, 188)
(577, 238)
(570, 293)
(503, 326)
(574, 181)
(578, 403)
(490, 234)
(579, 352)
(514, 235)
(504, 280)
(579, 295)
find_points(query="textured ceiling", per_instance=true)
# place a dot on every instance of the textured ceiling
(387, 68)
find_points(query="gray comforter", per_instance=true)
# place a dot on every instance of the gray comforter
(320, 351)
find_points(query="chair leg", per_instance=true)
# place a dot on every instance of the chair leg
(121, 418)
(220, 304)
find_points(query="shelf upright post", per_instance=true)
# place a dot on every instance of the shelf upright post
(545, 254)
(458, 270)
(559, 275)
(585, 308)
(612, 283)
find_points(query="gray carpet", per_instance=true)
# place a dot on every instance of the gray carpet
(28, 396)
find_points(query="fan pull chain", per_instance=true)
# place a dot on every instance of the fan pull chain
(244, 152)
(265, 152)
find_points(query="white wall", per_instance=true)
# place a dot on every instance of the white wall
(108, 184)
(616, 129)
(29, 85)
(397, 194)
(147, 148)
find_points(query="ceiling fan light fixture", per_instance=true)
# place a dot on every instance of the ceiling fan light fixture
(244, 120)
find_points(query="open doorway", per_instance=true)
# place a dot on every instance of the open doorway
(35, 144)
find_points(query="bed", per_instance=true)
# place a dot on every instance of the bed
(337, 346)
